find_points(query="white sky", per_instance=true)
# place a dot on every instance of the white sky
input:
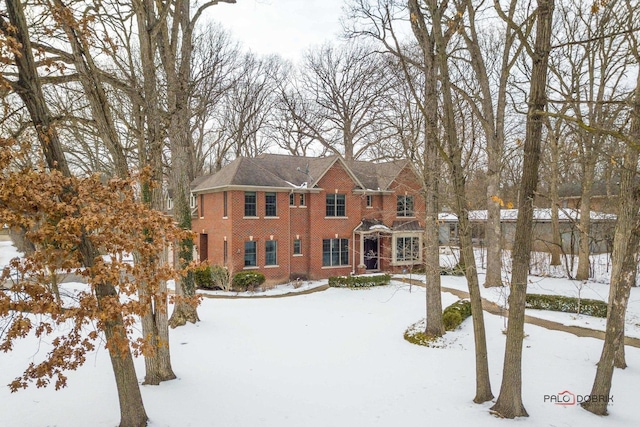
(285, 27)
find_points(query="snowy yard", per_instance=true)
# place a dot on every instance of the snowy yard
(331, 358)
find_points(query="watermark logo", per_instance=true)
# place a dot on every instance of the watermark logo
(566, 398)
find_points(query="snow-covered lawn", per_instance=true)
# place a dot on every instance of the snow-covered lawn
(596, 288)
(331, 358)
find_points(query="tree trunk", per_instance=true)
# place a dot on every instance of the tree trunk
(509, 403)
(155, 325)
(132, 412)
(585, 219)
(177, 67)
(454, 158)
(556, 243)
(483, 382)
(435, 327)
(432, 170)
(623, 272)
(493, 230)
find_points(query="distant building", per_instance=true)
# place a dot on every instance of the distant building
(604, 195)
(312, 217)
(601, 234)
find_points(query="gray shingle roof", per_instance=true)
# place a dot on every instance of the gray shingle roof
(284, 171)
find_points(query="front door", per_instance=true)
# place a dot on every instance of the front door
(371, 252)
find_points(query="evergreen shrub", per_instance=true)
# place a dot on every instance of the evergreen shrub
(359, 281)
(564, 304)
(248, 281)
(455, 314)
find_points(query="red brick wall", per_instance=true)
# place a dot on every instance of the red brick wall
(308, 222)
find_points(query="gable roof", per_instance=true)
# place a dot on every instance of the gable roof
(284, 171)
(378, 176)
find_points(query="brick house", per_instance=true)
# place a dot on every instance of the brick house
(310, 217)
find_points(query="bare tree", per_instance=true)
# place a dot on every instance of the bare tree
(489, 102)
(216, 57)
(419, 73)
(346, 86)
(587, 77)
(509, 403)
(626, 241)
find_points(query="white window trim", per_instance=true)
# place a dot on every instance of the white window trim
(394, 248)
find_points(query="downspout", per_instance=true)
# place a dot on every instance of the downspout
(290, 242)
(353, 262)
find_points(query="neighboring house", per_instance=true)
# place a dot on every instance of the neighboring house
(604, 195)
(309, 217)
(601, 234)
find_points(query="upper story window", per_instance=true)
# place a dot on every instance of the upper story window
(303, 199)
(297, 247)
(292, 199)
(336, 205)
(405, 205)
(202, 206)
(270, 204)
(369, 200)
(192, 201)
(249, 203)
(225, 204)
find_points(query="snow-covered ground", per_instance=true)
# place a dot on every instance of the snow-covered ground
(334, 358)
(549, 281)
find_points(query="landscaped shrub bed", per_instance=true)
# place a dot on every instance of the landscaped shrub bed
(248, 281)
(455, 314)
(202, 276)
(590, 307)
(456, 270)
(452, 317)
(359, 281)
(415, 334)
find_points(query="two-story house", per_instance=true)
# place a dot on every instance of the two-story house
(309, 217)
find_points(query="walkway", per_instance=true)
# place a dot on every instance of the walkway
(493, 308)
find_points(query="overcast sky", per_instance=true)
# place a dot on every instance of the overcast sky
(286, 27)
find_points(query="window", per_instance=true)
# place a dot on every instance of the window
(292, 199)
(303, 200)
(405, 205)
(297, 247)
(369, 200)
(193, 201)
(249, 203)
(336, 205)
(335, 252)
(225, 252)
(202, 206)
(271, 252)
(407, 248)
(225, 204)
(270, 204)
(250, 254)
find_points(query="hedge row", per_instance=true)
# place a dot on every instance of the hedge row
(359, 281)
(452, 317)
(589, 307)
(455, 314)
